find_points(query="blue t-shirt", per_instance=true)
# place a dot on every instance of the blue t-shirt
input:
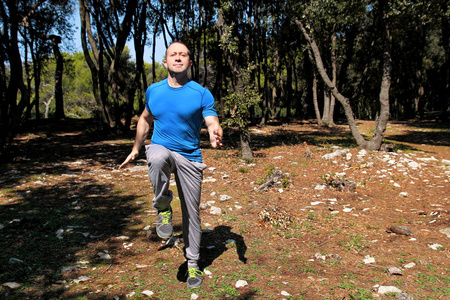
(178, 116)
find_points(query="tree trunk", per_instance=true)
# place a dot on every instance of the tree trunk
(380, 127)
(59, 101)
(86, 33)
(246, 149)
(239, 86)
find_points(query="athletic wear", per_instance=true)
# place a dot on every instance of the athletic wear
(194, 278)
(188, 176)
(164, 226)
(178, 116)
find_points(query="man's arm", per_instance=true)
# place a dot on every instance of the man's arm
(142, 129)
(214, 130)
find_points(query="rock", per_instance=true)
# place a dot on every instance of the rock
(104, 255)
(335, 153)
(284, 293)
(241, 283)
(276, 179)
(394, 271)
(139, 266)
(404, 296)
(224, 197)
(410, 265)
(320, 187)
(343, 184)
(69, 269)
(388, 289)
(413, 165)
(387, 147)
(13, 260)
(147, 293)
(319, 256)
(401, 229)
(215, 210)
(403, 194)
(204, 206)
(368, 259)
(445, 231)
(435, 246)
(81, 279)
(194, 296)
(11, 285)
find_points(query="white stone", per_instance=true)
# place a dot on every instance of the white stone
(368, 259)
(410, 265)
(194, 296)
(13, 260)
(139, 266)
(104, 255)
(284, 293)
(413, 165)
(81, 279)
(209, 179)
(12, 285)
(388, 289)
(335, 153)
(224, 197)
(241, 283)
(130, 294)
(317, 203)
(69, 269)
(320, 187)
(215, 210)
(347, 209)
(403, 194)
(147, 293)
(435, 246)
(397, 185)
(445, 231)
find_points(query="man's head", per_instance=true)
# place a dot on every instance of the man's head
(178, 58)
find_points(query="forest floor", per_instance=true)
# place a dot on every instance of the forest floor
(73, 226)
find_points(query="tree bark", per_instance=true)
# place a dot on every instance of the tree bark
(58, 91)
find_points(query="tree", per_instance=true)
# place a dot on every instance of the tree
(239, 102)
(111, 21)
(18, 18)
(380, 127)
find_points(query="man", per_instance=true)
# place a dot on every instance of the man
(178, 106)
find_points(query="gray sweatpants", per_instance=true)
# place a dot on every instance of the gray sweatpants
(188, 176)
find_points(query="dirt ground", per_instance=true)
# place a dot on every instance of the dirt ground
(351, 225)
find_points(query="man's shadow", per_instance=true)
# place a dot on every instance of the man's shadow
(213, 244)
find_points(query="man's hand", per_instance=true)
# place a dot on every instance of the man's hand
(216, 139)
(132, 156)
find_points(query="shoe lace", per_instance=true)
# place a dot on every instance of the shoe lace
(165, 217)
(194, 272)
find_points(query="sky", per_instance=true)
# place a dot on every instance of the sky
(160, 48)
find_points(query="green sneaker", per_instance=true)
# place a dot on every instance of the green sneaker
(164, 227)
(194, 279)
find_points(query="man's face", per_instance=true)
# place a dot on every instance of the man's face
(177, 58)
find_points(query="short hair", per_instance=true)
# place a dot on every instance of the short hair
(180, 42)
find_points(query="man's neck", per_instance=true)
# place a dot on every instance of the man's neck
(176, 80)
